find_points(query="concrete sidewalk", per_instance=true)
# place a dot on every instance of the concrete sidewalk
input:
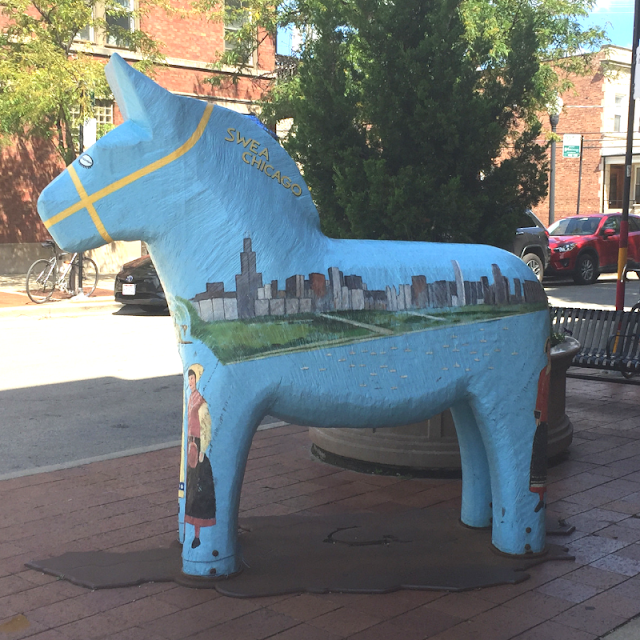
(14, 299)
(130, 503)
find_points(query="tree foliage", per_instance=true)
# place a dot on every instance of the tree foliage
(418, 120)
(48, 78)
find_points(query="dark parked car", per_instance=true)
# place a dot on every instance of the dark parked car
(531, 243)
(586, 246)
(138, 283)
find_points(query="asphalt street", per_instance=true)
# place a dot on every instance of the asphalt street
(87, 385)
(564, 293)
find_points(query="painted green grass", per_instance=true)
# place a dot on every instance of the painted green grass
(238, 340)
(419, 319)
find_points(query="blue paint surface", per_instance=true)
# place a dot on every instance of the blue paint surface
(353, 333)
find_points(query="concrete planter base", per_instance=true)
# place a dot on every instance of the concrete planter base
(560, 427)
(432, 444)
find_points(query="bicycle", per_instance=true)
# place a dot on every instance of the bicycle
(60, 272)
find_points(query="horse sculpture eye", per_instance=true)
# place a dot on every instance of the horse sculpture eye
(86, 161)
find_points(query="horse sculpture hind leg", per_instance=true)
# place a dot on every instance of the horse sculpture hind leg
(518, 525)
(507, 426)
(476, 477)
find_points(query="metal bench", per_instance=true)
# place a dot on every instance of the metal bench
(609, 340)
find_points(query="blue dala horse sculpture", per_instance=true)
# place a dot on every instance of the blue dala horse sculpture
(272, 317)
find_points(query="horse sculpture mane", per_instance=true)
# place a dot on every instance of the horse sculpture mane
(274, 317)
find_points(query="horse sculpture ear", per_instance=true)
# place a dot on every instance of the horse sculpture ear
(139, 98)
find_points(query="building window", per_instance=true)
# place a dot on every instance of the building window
(235, 17)
(102, 112)
(117, 25)
(618, 113)
(86, 34)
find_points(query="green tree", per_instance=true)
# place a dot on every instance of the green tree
(418, 120)
(48, 77)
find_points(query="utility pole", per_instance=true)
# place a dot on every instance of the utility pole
(628, 162)
(580, 174)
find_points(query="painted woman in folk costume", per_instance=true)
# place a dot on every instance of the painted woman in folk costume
(200, 508)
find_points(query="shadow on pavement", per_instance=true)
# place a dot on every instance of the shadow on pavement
(137, 310)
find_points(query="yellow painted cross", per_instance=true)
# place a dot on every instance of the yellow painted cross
(87, 201)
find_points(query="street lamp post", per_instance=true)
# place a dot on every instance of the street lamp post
(554, 117)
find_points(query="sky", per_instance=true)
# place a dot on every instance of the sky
(617, 17)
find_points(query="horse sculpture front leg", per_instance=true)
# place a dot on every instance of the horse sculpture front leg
(221, 421)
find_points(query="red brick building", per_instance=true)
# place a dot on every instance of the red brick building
(189, 45)
(596, 109)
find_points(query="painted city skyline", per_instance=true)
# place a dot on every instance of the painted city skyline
(338, 292)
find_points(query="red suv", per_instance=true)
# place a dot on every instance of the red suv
(586, 246)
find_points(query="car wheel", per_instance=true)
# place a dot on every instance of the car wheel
(586, 271)
(535, 264)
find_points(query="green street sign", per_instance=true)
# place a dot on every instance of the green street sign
(571, 144)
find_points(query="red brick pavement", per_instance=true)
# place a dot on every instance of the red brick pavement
(130, 503)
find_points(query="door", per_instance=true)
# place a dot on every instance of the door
(608, 245)
(616, 186)
(633, 253)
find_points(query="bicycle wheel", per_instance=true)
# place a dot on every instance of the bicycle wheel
(89, 276)
(41, 280)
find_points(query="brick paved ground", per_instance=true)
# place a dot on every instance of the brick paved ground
(130, 503)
